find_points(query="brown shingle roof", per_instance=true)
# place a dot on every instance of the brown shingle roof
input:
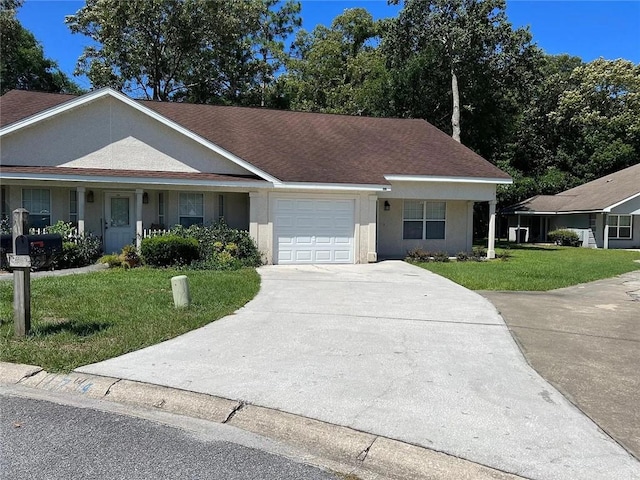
(19, 104)
(592, 196)
(311, 147)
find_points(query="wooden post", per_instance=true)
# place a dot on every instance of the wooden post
(21, 279)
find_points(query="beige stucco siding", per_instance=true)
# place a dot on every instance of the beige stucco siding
(478, 192)
(109, 134)
(458, 230)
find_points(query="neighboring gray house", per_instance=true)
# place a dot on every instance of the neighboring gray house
(604, 212)
(309, 187)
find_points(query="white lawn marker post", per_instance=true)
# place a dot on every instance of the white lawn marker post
(21, 265)
(180, 289)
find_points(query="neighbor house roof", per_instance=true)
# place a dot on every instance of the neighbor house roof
(595, 196)
(306, 147)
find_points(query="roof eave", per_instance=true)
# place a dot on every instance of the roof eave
(448, 179)
(133, 180)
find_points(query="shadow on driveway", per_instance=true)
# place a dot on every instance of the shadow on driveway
(585, 340)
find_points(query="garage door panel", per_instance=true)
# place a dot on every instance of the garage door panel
(314, 231)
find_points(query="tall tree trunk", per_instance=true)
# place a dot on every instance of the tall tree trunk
(455, 116)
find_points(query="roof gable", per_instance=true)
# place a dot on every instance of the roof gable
(601, 194)
(299, 147)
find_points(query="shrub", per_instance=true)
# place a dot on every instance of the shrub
(112, 260)
(479, 254)
(129, 256)
(442, 257)
(70, 257)
(418, 255)
(219, 237)
(463, 256)
(564, 237)
(169, 250)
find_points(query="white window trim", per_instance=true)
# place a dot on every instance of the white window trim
(48, 190)
(617, 226)
(180, 216)
(424, 220)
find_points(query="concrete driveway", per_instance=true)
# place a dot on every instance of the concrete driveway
(393, 350)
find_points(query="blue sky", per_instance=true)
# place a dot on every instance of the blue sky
(587, 29)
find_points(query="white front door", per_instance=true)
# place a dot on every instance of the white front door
(120, 224)
(313, 230)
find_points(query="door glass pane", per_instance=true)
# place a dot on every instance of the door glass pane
(119, 212)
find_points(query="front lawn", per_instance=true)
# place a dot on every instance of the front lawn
(81, 319)
(538, 268)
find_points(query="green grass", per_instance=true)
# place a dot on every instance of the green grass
(538, 268)
(81, 319)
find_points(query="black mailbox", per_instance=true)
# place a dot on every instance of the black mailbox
(48, 244)
(22, 245)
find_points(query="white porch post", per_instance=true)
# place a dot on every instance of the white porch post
(138, 217)
(491, 248)
(80, 191)
(469, 242)
(605, 240)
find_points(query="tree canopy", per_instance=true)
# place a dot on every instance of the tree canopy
(22, 62)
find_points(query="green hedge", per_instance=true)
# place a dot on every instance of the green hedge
(565, 237)
(169, 250)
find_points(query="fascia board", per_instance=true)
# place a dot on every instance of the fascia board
(332, 186)
(132, 180)
(92, 96)
(443, 179)
(611, 207)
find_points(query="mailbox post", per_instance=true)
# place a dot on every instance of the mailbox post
(21, 264)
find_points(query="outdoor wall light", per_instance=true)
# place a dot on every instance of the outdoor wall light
(145, 197)
(387, 205)
(90, 196)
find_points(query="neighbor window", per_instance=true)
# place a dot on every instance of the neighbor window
(423, 220)
(73, 206)
(38, 202)
(161, 209)
(220, 206)
(191, 209)
(619, 226)
(4, 212)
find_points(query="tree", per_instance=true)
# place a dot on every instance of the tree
(22, 62)
(185, 50)
(470, 40)
(598, 118)
(338, 69)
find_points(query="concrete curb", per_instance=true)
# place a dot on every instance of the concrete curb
(350, 452)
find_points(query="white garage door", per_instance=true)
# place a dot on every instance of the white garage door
(314, 231)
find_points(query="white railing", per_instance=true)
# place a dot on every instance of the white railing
(153, 232)
(72, 236)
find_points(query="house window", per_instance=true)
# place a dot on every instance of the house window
(220, 206)
(191, 209)
(619, 226)
(4, 205)
(423, 220)
(161, 209)
(73, 206)
(38, 202)
(592, 222)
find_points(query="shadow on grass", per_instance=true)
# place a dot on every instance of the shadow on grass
(526, 246)
(79, 329)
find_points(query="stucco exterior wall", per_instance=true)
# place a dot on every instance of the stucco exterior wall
(458, 230)
(478, 192)
(109, 134)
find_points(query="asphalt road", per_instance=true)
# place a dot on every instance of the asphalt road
(45, 440)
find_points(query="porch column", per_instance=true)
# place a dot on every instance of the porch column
(260, 229)
(80, 191)
(371, 228)
(469, 242)
(491, 248)
(138, 217)
(605, 240)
